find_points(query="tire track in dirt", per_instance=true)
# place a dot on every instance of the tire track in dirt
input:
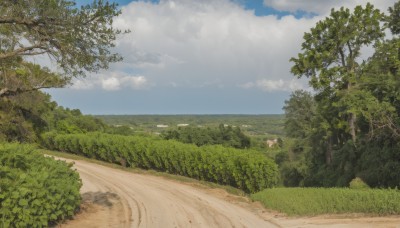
(117, 198)
(139, 200)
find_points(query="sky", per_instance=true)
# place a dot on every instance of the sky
(202, 57)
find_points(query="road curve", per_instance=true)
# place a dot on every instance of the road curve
(123, 199)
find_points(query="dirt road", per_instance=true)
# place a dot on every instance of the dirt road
(117, 198)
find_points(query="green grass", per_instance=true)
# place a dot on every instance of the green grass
(317, 201)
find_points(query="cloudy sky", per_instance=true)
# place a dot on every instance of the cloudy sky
(202, 57)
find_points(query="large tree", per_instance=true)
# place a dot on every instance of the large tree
(331, 58)
(78, 40)
(331, 55)
(355, 128)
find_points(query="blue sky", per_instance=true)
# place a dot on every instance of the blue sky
(260, 9)
(202, 57)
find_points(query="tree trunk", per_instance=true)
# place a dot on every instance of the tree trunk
(352, 118)
(328, 153)
(352, 124)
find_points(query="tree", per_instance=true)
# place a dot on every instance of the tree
(355, 126)
(299, 113)
(331, 57)
(78, 40)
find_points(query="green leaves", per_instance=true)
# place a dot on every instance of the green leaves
(245, 169)
(78, 40)
(356, 100)
(35, 190)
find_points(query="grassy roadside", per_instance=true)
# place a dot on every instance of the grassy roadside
(291, 201)
(318, 201)
(183, 179)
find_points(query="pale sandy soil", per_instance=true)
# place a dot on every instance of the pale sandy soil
(117, 198)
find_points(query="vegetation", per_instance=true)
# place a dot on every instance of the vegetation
(315, 201)
(262, 125)
(78, 40)
(352, 126)
(346, 133)
(227, 136)
(357, 183)
(35, 190)
(248, 170)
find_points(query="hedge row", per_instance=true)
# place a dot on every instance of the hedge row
(35, 191)
(248, 170)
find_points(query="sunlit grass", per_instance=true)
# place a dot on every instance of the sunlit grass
(316, 201)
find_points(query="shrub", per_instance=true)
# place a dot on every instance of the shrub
(248, 170)
(358, 183)
(35, 191)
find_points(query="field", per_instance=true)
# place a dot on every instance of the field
(316, 201)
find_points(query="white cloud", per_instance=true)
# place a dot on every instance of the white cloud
(111, 82)
(207, 43)
(323, 7)
(134, 82)
(210, 43)
(275, 85)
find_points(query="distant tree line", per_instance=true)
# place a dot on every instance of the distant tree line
(223, 135)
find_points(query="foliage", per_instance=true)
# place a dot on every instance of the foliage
(78, 39)
(72, 121)
(299, 111)
(25, 116)
(248, 170)
(315, 201)
(358, 183)
(227, 136)
(353, 124)
(35, 190)
(22, 116)
(250, 124)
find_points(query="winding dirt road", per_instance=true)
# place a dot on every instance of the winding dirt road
(123, 199)
(117, 198)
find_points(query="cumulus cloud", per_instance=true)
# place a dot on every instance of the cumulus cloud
(211, 43)
(323, 7)
(134, 82)
(275, 85)
(207, 43)
(111, 82)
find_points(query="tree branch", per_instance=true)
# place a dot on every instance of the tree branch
(21, 51)
(342, 57)
(5, 92)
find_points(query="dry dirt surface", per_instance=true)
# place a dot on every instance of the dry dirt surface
(118, 198)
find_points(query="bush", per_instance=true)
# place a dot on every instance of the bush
(358, 183)
(35, 191)
(248, 170)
